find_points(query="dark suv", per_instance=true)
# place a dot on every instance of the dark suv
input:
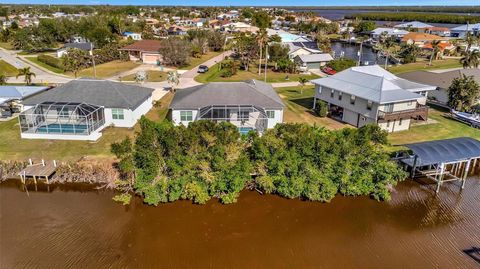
(202, 69)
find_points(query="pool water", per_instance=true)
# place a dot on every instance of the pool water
(63, 128)
(244, 130)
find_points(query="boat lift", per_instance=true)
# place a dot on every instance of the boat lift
(443, 160)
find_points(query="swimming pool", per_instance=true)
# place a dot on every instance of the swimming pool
(245, 130)
(63, 128)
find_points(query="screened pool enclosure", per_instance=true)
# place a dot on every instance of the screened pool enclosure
(246, 117)
(62, 118)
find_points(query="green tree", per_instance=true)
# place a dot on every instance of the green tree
(323, 42)
(173, 78)
(364, 27)
(75, 60)
(470, 59)
(463, 93)
(27, 74)
(261, 38)
(409, 53)
(435, 50)
(262, 20)
(175, 51)
(341, 64)
(302, 81)
(3, 79)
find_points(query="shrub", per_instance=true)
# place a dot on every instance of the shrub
(341, 64)
(50, 60)
(321, 108)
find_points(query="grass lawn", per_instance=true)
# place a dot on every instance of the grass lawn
(153, 76)
(424, 65)
(12, 147)
(6, 45)
(8, 69)
(107, 70)
(445, 128)
(197, 61)
(214, 75)
(34, 59)
(299, 108)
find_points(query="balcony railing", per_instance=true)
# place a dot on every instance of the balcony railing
(420, 112)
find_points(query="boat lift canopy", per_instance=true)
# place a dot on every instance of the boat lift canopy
(443, 151)
(443, 160)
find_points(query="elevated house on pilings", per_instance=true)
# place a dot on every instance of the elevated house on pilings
(443, 160)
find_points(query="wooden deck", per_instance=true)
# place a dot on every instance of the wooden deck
(38, 171)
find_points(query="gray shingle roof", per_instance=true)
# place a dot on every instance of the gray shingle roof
(251, 92)
(442, 80)
(97, 92)
(375, 84)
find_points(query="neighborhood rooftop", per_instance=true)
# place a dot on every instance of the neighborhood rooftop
(444, 79)
(251, 92)
(373, 83)
(18, 92)
(93, 91)
(144, 45)
(413, 24)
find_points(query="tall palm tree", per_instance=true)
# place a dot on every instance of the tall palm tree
(471, 59)
(262, 38)
(435, 50)
(302, 81)
(27, 74)
(470, 39)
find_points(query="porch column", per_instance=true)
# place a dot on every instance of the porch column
(465, 173)
(314, 101)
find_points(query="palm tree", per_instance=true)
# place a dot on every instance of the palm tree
(173, 79)
(262, 38)
(471, 59)
(302, 81)
(27, 73)
(435, 50)
(470, 39)
(387, 44)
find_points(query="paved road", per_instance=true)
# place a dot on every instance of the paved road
(42, 75)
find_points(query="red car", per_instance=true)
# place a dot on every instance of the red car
(329, 71)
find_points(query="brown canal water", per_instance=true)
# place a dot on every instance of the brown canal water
(72, 226)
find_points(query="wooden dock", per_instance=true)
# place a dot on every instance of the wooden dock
(43, 170)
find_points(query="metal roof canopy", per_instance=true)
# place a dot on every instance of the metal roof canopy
(445, 151)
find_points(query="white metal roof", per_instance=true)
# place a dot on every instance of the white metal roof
(389, 31)
(375, 84)
(413, 24)
(317, 57)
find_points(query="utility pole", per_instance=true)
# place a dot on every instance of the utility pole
(93, 61)
(360, 53)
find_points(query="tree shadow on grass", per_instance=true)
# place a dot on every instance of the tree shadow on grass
(304, 102)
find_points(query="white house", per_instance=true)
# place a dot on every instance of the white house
(370, 94)
(389, 32)
(132, 35)
(249, 105)
(312, 61)
(461, 31)
(82, 108)
(416, 26)
(301, 48)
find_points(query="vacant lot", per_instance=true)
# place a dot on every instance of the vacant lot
(108, 70)
(214, 74)
(8, 69)
(424, 65)
(153, 76)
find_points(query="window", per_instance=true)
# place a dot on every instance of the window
(340, 95)
(62, 112)
(369, 105)
(389, 107)
(400, 122)
(186, 116)
(352, 99)
(270, 114)
(319, 90)
(244, 115)
(388, 123)
(332, 93)
(117, 114)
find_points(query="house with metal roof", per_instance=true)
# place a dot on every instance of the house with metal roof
(389, 32)
(461, 31)
(312, 61)
(82, 108)
(249, 105)
(370, 94)
(416, 26)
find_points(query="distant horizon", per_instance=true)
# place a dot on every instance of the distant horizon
(246, 3)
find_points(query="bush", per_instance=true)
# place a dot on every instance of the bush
(321, 108)
(50, 60)
(341, 64)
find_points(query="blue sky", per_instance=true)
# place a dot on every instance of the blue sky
(254, 2)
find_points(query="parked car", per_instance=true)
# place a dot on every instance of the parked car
(329, 71)
(202, 69)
